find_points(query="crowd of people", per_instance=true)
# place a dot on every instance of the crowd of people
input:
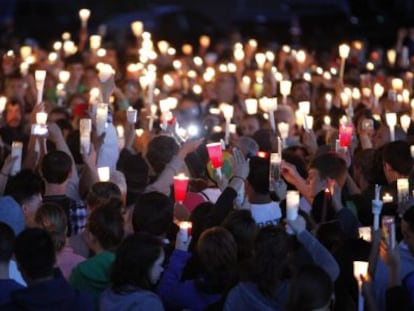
(290, 122)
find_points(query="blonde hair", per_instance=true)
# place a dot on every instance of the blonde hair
(52, 218)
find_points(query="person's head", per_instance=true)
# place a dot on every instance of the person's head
(407, 228)
(101, 192)
(250, 124)
(217, 250)
(118, 178)
(301, 90)
(153, 213)
(35, 254)
(74, 64)
(56, 167)
(242, 226)
(189, 110)
(138, 262)
(14, 113)
(15, 86)
(362, 168)
(271, 258)
(324, 167)
(310, 290)
(397, 160)
(26, 188)
(248, 146)
(7, 239)
(225, 87)
(161, 150)
(258, 179)
(106, 226)
(52, 218)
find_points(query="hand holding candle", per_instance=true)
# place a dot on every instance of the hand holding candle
(376, 207)
(40, 77)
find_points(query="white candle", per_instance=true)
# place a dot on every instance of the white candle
(17, 150)
(101, 118)
(95, 42)
(283, 128)
(185, 230)
(292, 204)
(131, 115)
(84, 15)
(41, 118)
(391, 57)
(104, 173)
(403, 186)
(251, 106)
(85, 144)
(137, 28)
(64, 76)
(260, 60)
(344, 50)
(365, 233)
(391, 118)
(3, 102)
(274, 171)
(387, 198)
(105, 72)
(360, 268)
(412, 151)
(304, 107)
(285, 87)
(405, 121)
(308, 123)
(139, 132)
(40, 76)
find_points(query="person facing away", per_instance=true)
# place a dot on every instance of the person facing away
(35, 255)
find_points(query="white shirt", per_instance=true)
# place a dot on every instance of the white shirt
(266, 214)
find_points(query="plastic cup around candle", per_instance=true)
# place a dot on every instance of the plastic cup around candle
(292, 204)
(104, 173)
(215, 154)
(345, 135)
(180, 188)
(185, 230)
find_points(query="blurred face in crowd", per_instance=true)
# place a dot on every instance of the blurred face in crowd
(249, 126)
(13, 115)
(157, 269)
(225, 88)
(76, 72)
(15, 88)
(315, 182)
(30, 206)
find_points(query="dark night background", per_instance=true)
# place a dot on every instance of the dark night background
(317, 21)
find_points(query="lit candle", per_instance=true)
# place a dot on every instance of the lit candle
(344, 50)
(412, 151)
(40, 77)
(85, 128)
(308, 123)
(304, 107)
(105, 72)
(328, 101)
(387, 198)
(41, 118)
(139, 132)
(405, 121)
(388, 227)
(260, 60)
(378, 92)
(283, 128)
(64, 76)
(185, 230)
(104, 173)
(84, 15)
(227, 111)
(285, 87)
(365, 233)
(101, 118)
(251, 106)
(397, 84)
(3, 102)
(327, 121)
(25, 52)
(262, 154)
(95, 42)
(391, 57)
(16, 152)
(137, 28)
(245, 85)
(391, 118)
(292, 204)
(216, 156)
(131, 115)
(403, 186)
(360, 268)
(274, 170)
(377, 207)
(204, 41)
(180, 188)
(345, 135)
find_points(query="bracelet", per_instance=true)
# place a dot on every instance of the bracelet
(238, 177)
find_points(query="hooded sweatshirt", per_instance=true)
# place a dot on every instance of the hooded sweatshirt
(137, 300)
(246, 296)
(54, 294)
(93, 275)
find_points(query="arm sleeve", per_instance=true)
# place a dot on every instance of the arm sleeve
(349, 223)
(320, 255)
(164, 181)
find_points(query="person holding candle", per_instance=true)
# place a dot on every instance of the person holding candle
(267, 289)
(137, 267)
(13, 130)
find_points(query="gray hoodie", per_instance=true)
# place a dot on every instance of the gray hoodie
(135, 300)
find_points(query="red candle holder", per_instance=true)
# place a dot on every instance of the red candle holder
(345, 135)
(180, 187)
(215, 154)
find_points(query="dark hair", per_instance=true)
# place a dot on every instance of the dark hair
(52, 218)
(35, 253)
(7, 239)
(397, 154)
(56, 167)
(134, 259)
(161, 150)
(101, 193)
(408, 217)
(217, 251)
(24, 185)
(272, 247)
(329, 165)
(259, 175)
(153, 213)
(106, 224)
(242, 226)
(310, 289)
(198, 219)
